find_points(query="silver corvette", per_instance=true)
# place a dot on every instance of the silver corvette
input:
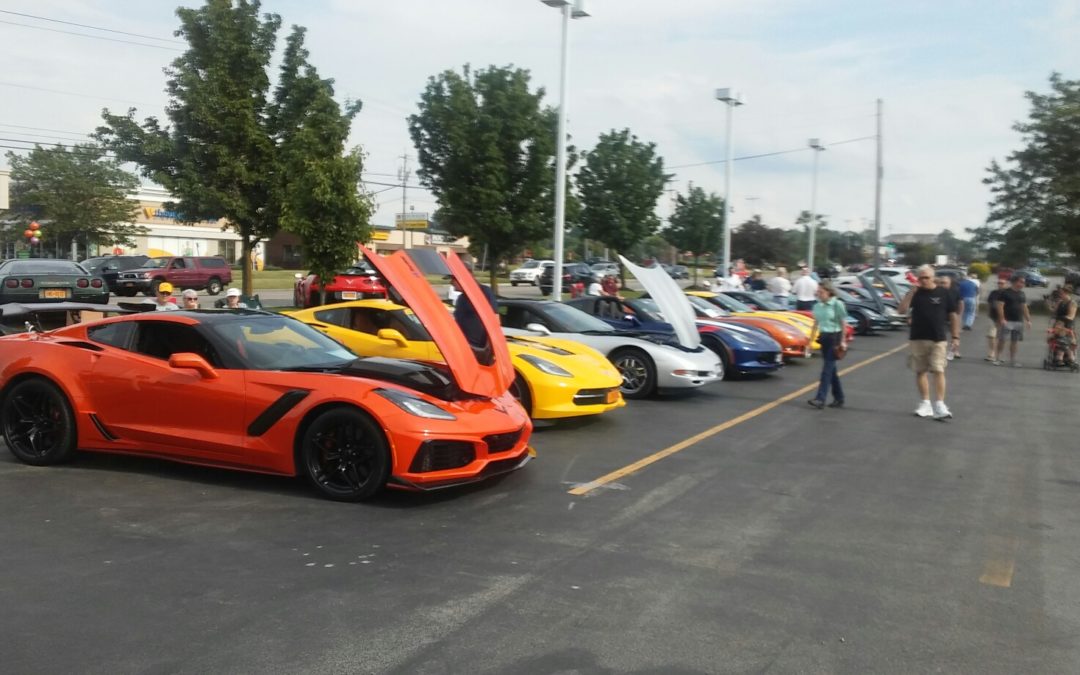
(647, 361)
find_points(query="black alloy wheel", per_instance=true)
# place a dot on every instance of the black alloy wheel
(638, 373)
(38, 424)
(345, 455)
(520, 390)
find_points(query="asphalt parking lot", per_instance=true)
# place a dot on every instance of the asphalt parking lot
(755, 535)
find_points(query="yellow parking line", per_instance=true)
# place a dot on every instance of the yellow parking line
(586, 488)
(998, 570)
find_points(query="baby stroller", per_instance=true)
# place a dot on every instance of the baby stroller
(1061, 349)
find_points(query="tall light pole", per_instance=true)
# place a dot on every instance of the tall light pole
(818, 148)
(570, 10)
(732, 98)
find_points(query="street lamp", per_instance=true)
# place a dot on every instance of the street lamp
(570, 10)
(818, 148)
(732, 98)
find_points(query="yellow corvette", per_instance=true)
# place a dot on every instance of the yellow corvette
(735, 308)
(555, 378)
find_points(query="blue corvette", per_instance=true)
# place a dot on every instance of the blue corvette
(743, 349)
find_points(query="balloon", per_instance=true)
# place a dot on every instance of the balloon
(28, 233)
(34, 226)
(35, 240)
(39, 233)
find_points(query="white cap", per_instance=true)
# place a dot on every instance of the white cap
(232, 292)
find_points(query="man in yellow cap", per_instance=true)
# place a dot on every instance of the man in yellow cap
(164, 301)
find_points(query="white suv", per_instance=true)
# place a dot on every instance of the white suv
(530, 272)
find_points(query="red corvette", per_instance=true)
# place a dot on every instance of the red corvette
(357, 282)
(263, 392)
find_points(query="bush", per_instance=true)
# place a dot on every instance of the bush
(980, 269)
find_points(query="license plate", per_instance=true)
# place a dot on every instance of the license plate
(54, 293)
(779, 358)
(348, 295)
(807, 353)
(129, 284)
(613, 396)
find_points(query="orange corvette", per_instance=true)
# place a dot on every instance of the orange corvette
(262, 392)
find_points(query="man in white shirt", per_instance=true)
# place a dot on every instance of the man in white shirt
(805, 290)
(732, 282)
(779, 286)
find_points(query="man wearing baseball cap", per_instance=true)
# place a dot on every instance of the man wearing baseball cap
(164, 302)
(232, 299)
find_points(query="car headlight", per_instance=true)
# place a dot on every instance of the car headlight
(741, 339)
(415, 406)
(545, 366)
(873, 315)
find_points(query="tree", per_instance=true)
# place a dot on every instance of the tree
(232, 153)
(1036, 192)
(318, 184)
(755, 242)
(619, 183)
(485, 148)
(83, 195)
(696, 224)
(821, 236)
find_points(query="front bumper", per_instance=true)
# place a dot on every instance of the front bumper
(757, 362)
(687, 370)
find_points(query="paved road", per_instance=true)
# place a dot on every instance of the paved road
(838, 541)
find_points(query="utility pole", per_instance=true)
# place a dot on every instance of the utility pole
(818, 148)
(403, 176)
(877, 192)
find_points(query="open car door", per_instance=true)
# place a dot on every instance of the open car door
(484, 372)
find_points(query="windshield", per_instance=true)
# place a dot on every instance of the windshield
(157, 262)
(647, 309)
(765, 301)
(267, 342)
(574, 320)
(705, 307)
(843, 295)
(733, 305)
(531, 265)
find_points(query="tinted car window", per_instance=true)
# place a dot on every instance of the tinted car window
(212, 262)
(113, 334)
(178, 264)
(162, 339)
(336, 317)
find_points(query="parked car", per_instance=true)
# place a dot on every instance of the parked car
(605, 269)
(109, 267)
(553, 378)
(197, 272)
(742, 349)
(267, 393)
(572, 273)
(1032, 277)
(678, 271)
(356, 282)
(529, 272)
(41, 280)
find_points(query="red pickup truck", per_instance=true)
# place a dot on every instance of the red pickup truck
(209, 272)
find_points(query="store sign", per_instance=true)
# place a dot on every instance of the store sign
(380, 236)
(442, 238)
(411, 221)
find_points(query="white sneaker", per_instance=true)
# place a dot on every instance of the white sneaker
(941, 411)
(924, 410)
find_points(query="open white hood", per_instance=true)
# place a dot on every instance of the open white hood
(670, 299)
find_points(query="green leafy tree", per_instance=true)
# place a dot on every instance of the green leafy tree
(821, 236)
(81, 195)
(696, 224)
(619, 183)
(317, 184)
(230, 151)
(485, 148)
(756, 242)
(1036, 191)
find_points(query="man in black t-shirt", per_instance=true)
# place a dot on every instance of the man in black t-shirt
(991, 334)
(1012, 317)
(934, 319)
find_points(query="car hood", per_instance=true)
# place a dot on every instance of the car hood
(748, 337)
(670, 299)
(492, 377)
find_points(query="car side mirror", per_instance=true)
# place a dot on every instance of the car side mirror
(538, 328)
(392, 335)
(195, 362)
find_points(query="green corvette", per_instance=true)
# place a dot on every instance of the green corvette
(42, 280)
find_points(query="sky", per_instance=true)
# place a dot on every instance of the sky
(951, 75)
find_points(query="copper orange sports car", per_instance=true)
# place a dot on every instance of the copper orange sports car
(262, 392)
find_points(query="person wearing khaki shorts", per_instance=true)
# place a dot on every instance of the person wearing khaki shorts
(934, 316)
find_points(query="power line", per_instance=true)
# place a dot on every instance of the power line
(72, 93)
(59, 131)
(83, 25)
(394, 185)
(92, 37)
(768, 154)
(55, 137)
